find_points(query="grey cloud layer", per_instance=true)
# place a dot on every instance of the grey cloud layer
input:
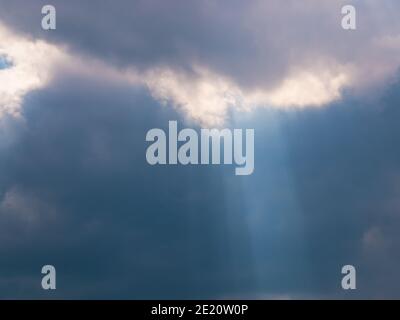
(208, 58)
(77, 192)
(253, 42)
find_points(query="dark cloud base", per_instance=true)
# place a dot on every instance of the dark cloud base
(111, 224)
(116, 227)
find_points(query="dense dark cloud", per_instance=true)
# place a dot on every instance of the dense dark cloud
(80, 195)
(77, 193)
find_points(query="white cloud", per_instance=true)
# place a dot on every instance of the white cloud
(32, 66)
(207, 96)
(298, 67)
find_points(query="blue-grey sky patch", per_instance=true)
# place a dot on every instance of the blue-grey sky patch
(5, 62)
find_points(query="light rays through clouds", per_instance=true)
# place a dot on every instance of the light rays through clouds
(324, 105)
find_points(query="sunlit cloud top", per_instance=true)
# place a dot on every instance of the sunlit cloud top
(221, 56)
(25, 65)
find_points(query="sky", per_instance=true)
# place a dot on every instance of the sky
(76, 191)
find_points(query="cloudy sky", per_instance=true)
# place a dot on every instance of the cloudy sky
(76, 191)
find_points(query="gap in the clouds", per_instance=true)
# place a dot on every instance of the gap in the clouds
(5, 62)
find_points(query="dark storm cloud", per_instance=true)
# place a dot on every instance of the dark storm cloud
(143, 33)
(77, 193)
